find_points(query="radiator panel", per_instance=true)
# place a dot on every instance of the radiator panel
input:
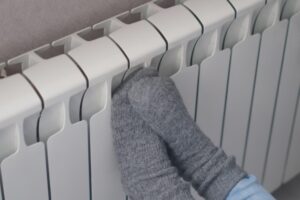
(293, 161)
(16, 156)
(66, 142)
(212, 94)
(103, 61)
(268, 72)
(186, 82)
(105, 176)
(68, 164)
(286, 104)
(240, 88)
(24, 174)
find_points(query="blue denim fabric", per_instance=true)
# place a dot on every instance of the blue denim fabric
(249, 189)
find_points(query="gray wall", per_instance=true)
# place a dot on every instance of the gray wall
(27, 24)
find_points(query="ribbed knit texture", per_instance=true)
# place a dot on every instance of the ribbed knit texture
(147, 172)
(158, 102)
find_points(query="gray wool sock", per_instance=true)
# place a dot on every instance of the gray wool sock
(159, 103)
(147, 172)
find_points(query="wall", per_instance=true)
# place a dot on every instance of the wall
(27, 24)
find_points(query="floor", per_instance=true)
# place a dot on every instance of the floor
(289, 191)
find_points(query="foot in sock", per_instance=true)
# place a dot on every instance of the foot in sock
(159, 104)
(146, 169)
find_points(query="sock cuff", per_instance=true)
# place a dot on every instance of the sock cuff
(225, 181)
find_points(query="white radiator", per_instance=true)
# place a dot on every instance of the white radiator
(236, 64)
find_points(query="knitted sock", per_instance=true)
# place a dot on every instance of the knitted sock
(159, 103)
(147, 172)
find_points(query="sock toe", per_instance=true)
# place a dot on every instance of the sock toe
(155, 97)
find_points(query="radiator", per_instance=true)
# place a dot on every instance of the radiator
(235, 63)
